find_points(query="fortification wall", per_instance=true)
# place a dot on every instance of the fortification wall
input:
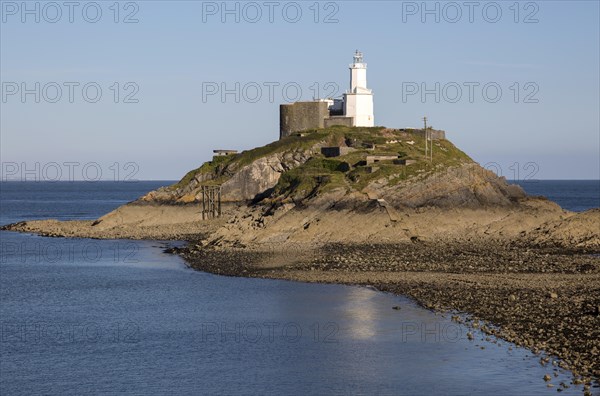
(435, 134)
(331, 121)
(300, 116)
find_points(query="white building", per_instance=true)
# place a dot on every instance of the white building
(353, 109)
(358, 101)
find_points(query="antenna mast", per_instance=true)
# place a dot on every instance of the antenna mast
(426, 137)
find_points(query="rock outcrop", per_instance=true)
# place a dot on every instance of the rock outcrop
(255, 179)
(288, 191)
(451, 180)
(468, 185)
(448, 233)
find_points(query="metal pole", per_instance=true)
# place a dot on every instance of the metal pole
(214, 207)
(203, 204)
(426, 137)
(211, 202)
(219, 201)
(431, 146)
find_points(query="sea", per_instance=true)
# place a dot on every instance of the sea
(82, 316)
(573, 195)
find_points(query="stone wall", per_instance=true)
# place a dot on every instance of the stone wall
(435, 134)
(301, 116)
(335, 151)
(331, 121)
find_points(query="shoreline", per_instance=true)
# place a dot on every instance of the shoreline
(526, 273)
(520, 299)
(524, 305)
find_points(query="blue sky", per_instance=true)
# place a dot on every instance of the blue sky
(547, 52)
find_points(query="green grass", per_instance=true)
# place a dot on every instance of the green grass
(236, 161)
(207, 167)
(357, 178)
(289, 143)
(315, 175)
(320, 174)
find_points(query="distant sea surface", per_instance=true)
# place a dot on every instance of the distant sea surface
(574, 195)
(23, 201)
(81, 316)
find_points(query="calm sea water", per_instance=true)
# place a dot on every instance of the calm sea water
(95, 317)
(575, 195)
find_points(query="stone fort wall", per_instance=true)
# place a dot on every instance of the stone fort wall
(300, 116)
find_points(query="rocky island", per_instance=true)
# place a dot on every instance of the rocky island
(369, 206)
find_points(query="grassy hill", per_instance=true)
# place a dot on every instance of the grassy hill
(320, 174)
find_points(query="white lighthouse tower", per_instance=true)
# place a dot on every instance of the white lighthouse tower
(358, 101)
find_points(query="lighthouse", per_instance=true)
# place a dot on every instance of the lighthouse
(353, 109)
(358, 100)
